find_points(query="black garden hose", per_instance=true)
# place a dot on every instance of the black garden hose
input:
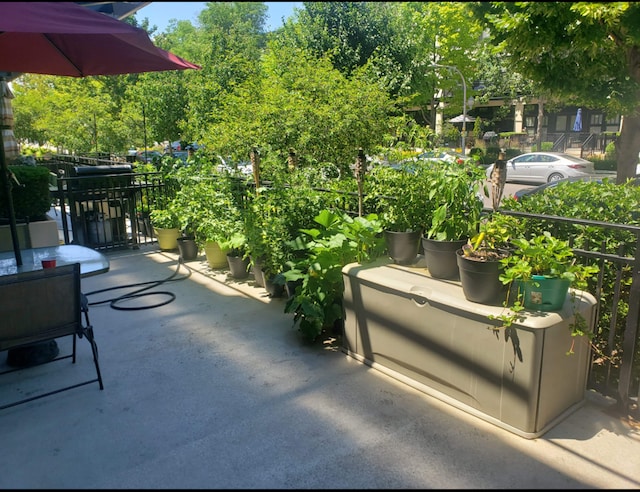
(139, 293)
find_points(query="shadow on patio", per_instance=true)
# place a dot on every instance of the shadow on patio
(217, 390)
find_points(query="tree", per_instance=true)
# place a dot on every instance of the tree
(228, 45)
(445, 33)
(74, 114)
(584, 53)
(300, 102)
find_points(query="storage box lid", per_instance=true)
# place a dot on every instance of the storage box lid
(414, 282)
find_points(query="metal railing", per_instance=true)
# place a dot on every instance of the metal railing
(615, 362)
(110, 211)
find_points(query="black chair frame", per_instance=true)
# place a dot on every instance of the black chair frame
(40, 306)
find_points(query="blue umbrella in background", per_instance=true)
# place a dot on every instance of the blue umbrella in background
(577, 126)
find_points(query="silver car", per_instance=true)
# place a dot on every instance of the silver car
(544, 167)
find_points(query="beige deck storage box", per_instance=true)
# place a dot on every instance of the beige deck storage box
(423, 332)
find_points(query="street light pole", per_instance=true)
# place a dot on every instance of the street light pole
(464, 102)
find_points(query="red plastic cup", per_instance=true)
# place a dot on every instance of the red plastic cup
(49, 263)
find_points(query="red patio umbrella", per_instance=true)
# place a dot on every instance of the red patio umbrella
(63, 38)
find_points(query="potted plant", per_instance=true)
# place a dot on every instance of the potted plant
(219, 221)
(479, 262)
(31, 202)
(399, 197)
(237, 254)
(187, 244)
(166, 226)
(276, 215)
(455, 191)
(208, 208)
(542, 269)
(325, 249)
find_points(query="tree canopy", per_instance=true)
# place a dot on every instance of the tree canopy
(340, 75)
(585, 53)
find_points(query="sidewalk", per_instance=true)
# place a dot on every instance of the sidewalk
(217, 390)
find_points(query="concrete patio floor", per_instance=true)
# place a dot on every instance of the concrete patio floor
(217, 390)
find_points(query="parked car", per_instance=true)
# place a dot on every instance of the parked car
(543, 167)
(450, 156)
(178, 154)
(244, 168)
(147, 156)
(432, 157)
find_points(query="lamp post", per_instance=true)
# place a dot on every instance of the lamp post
(464, 102)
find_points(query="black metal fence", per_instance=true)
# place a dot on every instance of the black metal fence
(108, 205)
(615, 361)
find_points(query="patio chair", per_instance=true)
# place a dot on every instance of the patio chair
(39, 306)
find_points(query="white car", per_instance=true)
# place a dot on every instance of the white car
(544, 167)
(450, 156)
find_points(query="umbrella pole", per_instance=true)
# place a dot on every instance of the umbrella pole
(4, 171)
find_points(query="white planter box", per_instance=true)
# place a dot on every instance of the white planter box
(34, 235)
(424, 332)
(44, 233)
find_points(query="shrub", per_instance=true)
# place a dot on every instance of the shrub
(546, 146)
(610, 151)
(476, 151)
(491, 154)
(32, 199)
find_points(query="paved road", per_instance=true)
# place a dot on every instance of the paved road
(509, 189)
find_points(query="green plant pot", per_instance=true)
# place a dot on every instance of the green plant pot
(216, 257)
(548, 295)
(167, 238)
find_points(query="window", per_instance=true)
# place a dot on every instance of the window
(561, 123)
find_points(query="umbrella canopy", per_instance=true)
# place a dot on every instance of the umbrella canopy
(460, 118)
(63, 38)
(577, 126)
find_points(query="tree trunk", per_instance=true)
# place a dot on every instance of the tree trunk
(627, 148)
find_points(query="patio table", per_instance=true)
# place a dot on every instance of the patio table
(92, 262)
